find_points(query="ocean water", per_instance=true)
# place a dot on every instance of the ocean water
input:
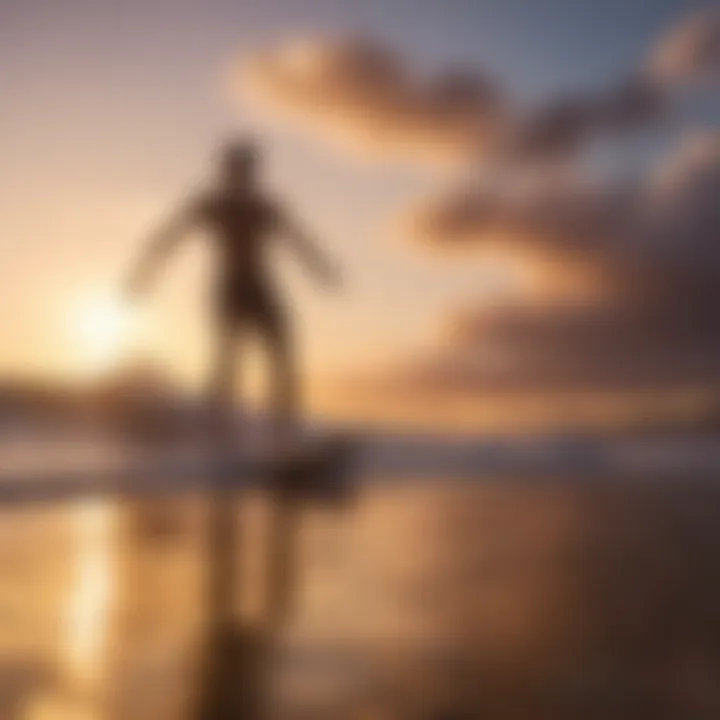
(528, 596)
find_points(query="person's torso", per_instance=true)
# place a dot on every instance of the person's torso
(241, 226)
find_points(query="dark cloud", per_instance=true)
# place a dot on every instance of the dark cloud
(367, 97)
(671, 214)
(570, 348)
(565, 126)
(565, 219)
(654, 325)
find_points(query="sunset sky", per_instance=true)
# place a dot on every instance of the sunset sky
(477, 167)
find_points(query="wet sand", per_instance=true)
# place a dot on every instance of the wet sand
(523, 599)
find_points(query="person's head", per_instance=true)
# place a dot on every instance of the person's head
(239, 163)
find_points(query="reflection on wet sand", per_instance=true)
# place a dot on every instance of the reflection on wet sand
(502, 599)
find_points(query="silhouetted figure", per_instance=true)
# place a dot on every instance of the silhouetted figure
(242, 220)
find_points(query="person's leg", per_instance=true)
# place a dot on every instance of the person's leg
(223, 376)
(284, 391)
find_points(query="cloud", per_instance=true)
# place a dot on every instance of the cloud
(617, 283)
(564, 127)
(652, 325)
(691, 51)
(561, 219)
(569, 348)
(669, 216)
(366, 97)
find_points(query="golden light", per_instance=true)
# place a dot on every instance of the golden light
(89, 610)
(103, 328)
(84, 650)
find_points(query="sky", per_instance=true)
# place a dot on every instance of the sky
(112, 112)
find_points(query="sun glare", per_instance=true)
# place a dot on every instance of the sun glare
(103, 329)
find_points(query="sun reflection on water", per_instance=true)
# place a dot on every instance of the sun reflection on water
(90, 606)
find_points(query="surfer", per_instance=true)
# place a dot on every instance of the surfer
(242, 220)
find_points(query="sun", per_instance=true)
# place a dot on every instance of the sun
(102, 328)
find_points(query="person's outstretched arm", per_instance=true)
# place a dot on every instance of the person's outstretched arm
(159, 247)
(308, 251)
